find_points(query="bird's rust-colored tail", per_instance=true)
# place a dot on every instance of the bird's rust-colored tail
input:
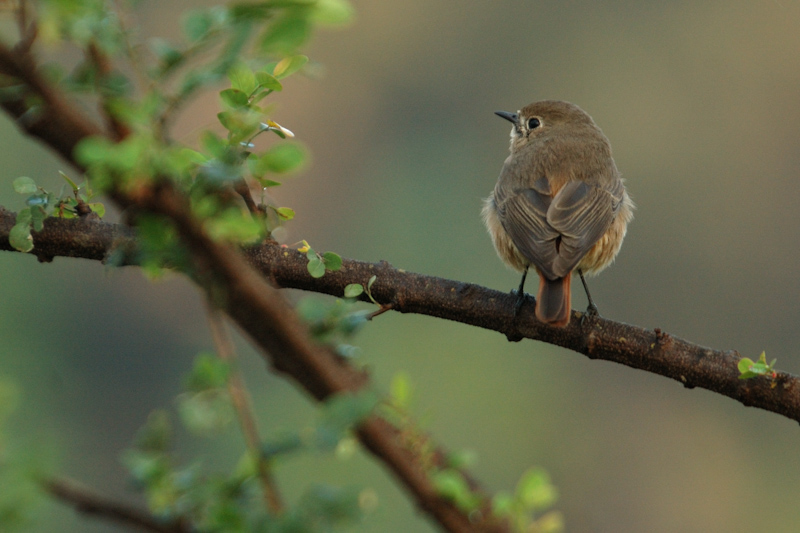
(553, 303)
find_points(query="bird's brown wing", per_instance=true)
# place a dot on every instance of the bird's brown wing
(523, 214)
(554, 233)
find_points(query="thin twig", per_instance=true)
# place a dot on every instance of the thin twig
(244, 409)
(86, 501)
(380, 311)
(103, 65)
(243, 189)
(132, 51)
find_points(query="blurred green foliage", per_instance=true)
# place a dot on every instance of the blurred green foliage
(234, 501)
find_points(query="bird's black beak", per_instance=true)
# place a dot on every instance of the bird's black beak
(511, 117)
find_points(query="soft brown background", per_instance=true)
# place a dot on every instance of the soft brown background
(700, 103)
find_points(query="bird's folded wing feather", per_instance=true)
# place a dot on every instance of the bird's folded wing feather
(555, 233)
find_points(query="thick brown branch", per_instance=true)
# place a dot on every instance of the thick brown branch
(266, 316)
(41, 111)
(89, 502)
(233, 285)
(651, 350)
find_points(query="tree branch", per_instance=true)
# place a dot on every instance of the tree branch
(232, 284)
(651, 350)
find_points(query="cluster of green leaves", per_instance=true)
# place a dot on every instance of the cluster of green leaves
(750, 369)
(233, 501)
(526, 508)
(319, 263)
(332, 432)
(141, 85)
(42, 204)
(534, 494)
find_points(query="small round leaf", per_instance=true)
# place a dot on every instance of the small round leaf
(333, 262)
(316, 268)
(354, 290)
(24, 185)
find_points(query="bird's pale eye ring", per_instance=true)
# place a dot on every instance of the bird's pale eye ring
(534, 123)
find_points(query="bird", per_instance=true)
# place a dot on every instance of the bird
(559, 204)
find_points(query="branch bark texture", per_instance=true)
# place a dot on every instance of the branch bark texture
(654, 351)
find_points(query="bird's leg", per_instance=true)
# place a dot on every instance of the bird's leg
(514, 335)
(520, 293)
(592, 309)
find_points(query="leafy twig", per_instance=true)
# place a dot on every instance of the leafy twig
(244, 409)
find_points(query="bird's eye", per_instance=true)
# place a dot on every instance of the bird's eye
(534, 123)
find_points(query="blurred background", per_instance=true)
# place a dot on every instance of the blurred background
(700, 102)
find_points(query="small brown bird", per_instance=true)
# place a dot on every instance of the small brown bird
(559, 204)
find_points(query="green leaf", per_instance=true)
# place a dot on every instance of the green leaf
(503, 503)
(332, 12)
(242, 78)
(24, 216)
(207, 411)
(550, 522)
(353, 290)
(25, 185)
(535, 491)
(213, 144)
(234, 98)
(744, 365)
(371, 281)
(208, 372)
(316, 267)
(38, 214)
(268, 183)
(287, 33)
(20, 237)
(452, 485)
(241, 123)
(98, 208)
(285, 157)
(93, 150)
(231, 225)
(72, 184)
(268, 81)
(462, 459)
(289, 65)
(333, 261)
(196, 24)
(400, 390)
(286, 213)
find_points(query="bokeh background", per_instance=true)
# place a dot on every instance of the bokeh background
(700, 102)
